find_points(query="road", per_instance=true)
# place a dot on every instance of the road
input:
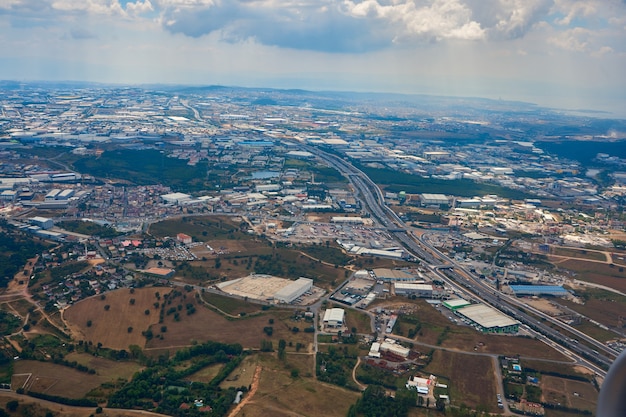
(596, 357)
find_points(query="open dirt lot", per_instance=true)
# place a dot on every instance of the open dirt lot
(570, 393)
(471, 378)
(242, 375)
(110, 327)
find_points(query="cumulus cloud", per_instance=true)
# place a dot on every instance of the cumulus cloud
(357, 25)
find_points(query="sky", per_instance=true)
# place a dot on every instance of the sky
(567, 54)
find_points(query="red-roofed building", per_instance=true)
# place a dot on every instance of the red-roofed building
(183, 238)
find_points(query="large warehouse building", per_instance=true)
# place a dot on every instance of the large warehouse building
(334, 318)
(554, 290)
(489, 320)
(419, 290)
(294, 290)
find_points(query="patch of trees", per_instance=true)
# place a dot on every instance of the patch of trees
(81, 402)
(67, 269)
(335, 366)
(375, 403)
(15, 250)
(89, 228)
(162, 387)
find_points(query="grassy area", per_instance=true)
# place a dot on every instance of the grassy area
(603, 306)
(414, 184)
(578, 253)
(88, 228)
(471, 378)
(145, 167)
(598, 273)
(230, 305)
(201, 228)
(358, 320)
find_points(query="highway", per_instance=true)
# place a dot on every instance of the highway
(596, 356)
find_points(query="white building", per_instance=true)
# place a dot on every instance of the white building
(334, 317)
(175, 198)
(390, 346)
(42, 222)
(433, 199)
(409, 288)
(290, 292)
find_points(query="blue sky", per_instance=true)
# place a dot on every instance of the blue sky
(561, 53)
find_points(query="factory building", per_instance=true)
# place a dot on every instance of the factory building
(434, 199)
(334, 318)
(42, 222)
(455, 304)
(393, 275)
(419, 290)
(554, 290)
(390, 346)
(489, 320)
(421, 385)
(290, 292)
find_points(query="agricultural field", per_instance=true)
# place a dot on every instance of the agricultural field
(569, 393)
(121, 323)
(472, 378)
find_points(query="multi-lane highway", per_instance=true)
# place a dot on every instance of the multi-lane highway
(595, 355)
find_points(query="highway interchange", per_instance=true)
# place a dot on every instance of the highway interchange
(585, 350)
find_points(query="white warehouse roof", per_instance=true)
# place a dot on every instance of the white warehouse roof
(334, 315)
(486, 316)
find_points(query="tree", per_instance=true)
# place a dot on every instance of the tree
(107, 307)
(132, 301)
(130, 329)
(12, 405)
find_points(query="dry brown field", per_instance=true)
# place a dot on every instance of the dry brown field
(472, 378)
(280, 395)
(579, 253)
(563, 369)
(604, 274)
(106, 368)
(111, 327)
(243, 374)
(206, 325)
(570, 393)
(54, 379)
(606, 310)
(504, 345)
(357, 319)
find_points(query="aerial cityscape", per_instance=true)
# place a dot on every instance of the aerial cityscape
(342, 208)
(192, 250)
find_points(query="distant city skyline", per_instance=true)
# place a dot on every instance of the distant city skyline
(568, 54)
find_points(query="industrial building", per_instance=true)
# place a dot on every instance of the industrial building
(334, 318)
(393, 275)
(554, 290)
(290, 292)
(434, 199)
(421, 385)
(455, 304)
(390, 346)
(489, 320)
(42, 222)
(419, 290)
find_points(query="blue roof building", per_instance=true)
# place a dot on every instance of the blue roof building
(555, 290)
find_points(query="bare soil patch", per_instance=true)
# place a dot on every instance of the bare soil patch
(111, 327)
